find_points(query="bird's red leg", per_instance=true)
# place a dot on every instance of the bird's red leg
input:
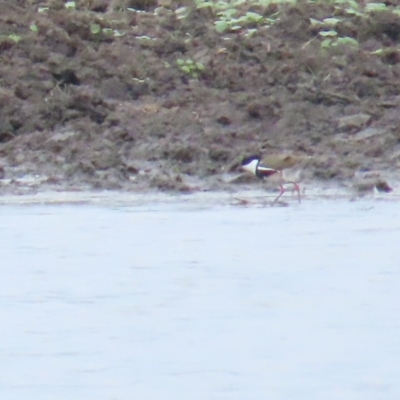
(281, 191)
(281, 188)
(297, 189)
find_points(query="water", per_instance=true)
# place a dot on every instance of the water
(186, 302)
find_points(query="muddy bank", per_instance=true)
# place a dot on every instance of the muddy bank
(140, 95)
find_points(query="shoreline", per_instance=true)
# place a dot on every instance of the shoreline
(241, 198)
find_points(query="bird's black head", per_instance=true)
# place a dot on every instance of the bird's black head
(248, 160)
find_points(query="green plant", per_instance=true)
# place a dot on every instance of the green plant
(327, 26)
(194, 69)
(228, 22)
(96, 29)
(232, 15)
(355, 8)
(181, 12)
(346, 40)
(14, 37)
(33, 27)
(331, 38)
(229, 16)
(371, 7)
(113, 32)
(70, 4)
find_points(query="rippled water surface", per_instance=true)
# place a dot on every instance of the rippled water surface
(180, 302)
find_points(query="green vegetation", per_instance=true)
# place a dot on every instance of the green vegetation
(34, 28)
(245, 17)
(329, 35)
(194, 69)
(15, 38)
(248, 16)
(230, 17)
(70, 4)
(228, 21)
(97, 29)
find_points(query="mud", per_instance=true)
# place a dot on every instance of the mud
(81, 109)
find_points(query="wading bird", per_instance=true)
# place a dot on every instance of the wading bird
(272, 167)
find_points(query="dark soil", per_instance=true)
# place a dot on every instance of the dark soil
(82, 110)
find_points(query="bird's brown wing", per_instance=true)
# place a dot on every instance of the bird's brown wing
(281, 161)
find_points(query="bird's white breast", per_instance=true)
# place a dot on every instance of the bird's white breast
(251, 166)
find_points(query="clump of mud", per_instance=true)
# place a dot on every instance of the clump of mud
(93, 97)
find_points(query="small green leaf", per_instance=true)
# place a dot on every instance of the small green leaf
(271, 21)
(315, 22)
(200, 66)
(181, 13)
(326, 43)
(351, 11)
(95, 28)
(70, 4)
(353, 4)
(186, 69)
(179, 61)
(14, 37)
(250, 32)
(34, 28)
(347, 40)
(221, 26)
(117, 33)
(189, 62)
(229, 13)
(253, 17)
(223, 5)
(328, 33)
(371, 7)
(331, 21)
(205, 4)
(43, 9)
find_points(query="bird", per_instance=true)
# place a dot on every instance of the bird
(272, 166)
(372, 185)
